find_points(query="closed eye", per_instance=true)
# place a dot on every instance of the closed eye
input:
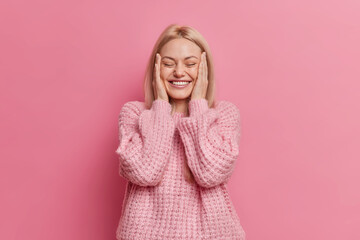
(169, 65)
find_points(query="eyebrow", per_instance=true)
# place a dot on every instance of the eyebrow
(174, 59)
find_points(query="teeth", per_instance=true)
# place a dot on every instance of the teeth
(180, 83)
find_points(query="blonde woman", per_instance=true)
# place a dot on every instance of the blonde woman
(178, 148)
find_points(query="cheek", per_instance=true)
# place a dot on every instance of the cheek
(194, 73)
(164, 72)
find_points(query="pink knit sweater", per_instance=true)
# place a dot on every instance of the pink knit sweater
(159, 203)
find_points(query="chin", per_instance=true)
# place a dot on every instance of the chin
(177, 97)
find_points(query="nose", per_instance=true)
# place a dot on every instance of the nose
(179, 71)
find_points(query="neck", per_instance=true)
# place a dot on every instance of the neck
(179, 105)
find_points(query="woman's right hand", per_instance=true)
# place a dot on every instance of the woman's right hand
(158, 84)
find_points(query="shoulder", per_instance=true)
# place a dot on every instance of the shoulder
(134, 105)
(131, 109)
(227, 108)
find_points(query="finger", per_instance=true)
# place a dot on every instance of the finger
(200, 68)
(203, 67)
(154, 90)
(206, 69)
(159, 58)
(154, 81)
(154, 72)
(158, 61)
(158, 72)
(159, 65)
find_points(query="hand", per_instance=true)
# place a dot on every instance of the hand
(158, 84)
(201, 83)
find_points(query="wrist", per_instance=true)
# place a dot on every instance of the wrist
(198, 106)
(162, 105)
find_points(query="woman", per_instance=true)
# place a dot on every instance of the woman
(178, 148)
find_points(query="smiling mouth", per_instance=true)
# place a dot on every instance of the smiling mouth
(179, 83)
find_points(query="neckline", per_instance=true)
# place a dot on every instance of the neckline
(178, 114)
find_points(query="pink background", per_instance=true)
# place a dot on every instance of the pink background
(292, 68)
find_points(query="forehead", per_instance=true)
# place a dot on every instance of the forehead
(180, 48)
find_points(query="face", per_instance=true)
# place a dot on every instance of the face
(180, 59)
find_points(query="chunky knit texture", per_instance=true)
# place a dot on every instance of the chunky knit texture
(154, 145)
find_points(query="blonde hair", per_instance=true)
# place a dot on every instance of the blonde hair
(175, 31)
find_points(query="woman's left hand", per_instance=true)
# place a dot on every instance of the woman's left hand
(201, 83)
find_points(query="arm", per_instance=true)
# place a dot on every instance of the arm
(145, 137)
(211, 139)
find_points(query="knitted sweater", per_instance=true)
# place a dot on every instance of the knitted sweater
(159, 203)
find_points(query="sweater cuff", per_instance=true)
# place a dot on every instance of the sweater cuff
(161, 105)
(198, 106)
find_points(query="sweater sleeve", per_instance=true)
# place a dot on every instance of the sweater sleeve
(211, 138)
(145, 137)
